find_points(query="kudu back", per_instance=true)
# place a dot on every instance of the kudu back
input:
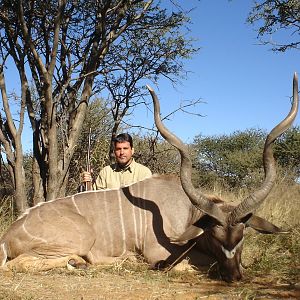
(160, 218)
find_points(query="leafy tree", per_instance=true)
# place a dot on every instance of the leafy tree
(60, 50)
(157, 154)
(234, 159)
(95, 138)
(153, 52)
(287, 151)
(274, 17)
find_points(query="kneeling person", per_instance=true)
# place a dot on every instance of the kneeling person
(125, 171)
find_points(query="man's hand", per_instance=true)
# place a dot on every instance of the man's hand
(86, 176)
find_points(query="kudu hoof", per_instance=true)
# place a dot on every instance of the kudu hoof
(73, 264)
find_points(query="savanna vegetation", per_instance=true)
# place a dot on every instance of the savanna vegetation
(271, 261)
(271, 266)
(66, 54)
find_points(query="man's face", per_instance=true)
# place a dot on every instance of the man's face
(123, 153)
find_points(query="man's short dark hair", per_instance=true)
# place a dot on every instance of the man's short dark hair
(123, 137)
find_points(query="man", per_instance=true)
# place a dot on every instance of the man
(125, 171)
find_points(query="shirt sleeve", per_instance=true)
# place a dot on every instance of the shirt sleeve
(143, 172)
(148, 172)
(100, 180)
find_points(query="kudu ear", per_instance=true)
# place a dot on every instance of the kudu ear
(191, 232)
(263, 226)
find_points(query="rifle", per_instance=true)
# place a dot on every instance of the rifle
(88, 185)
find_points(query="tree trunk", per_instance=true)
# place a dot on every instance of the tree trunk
(38, 195)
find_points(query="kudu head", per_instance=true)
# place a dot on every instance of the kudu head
(220, 233)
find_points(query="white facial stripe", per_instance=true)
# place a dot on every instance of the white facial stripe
(231, 254)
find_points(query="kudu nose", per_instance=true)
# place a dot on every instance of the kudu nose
(231, 277)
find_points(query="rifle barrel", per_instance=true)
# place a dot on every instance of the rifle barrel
(88, 185)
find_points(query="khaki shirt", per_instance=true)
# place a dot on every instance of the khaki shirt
(114, 177)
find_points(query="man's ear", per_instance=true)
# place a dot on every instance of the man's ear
(132, 150)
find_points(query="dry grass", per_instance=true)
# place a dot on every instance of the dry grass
(132, 281)
(272, 272)
(279, 254)
(6, 214)
(282, 205)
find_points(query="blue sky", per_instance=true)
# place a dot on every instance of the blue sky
(244, 85)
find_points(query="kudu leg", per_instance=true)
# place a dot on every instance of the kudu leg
(29, 263)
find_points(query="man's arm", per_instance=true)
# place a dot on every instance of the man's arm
(101, 182)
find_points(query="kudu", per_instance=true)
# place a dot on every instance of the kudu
(158, 217)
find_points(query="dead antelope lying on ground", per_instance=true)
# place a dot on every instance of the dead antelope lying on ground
(158, 217)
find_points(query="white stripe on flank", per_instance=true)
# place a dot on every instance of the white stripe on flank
(140, 245)
(143, 237)
(122, 223)
(107, 238)
(28, 210)
(74, 203)
(135, 224)
(3, 250)
(141, 212)
(30, 235)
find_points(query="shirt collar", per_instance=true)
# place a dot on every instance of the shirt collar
(129, 168)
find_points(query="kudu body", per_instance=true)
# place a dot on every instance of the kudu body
(159, 217)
